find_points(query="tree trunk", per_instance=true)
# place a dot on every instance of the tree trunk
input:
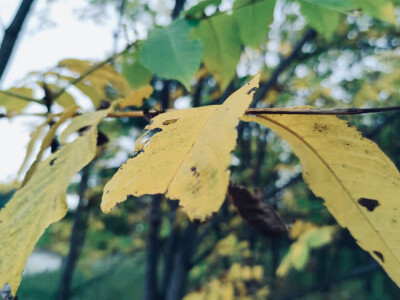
(11, 34)
(77, 239)
(181, 266)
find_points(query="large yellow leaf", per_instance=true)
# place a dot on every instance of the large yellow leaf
(359, 184)
(39, 203)
(188, 160)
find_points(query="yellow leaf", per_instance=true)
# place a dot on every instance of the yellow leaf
(359, 184)
(48, 139)
(227, 245)
(77, 123)
(65, 100)
(35, 136)
(104, 76)
(299, 228)
(39, 203)
(188, 160)
(137, 97)
(15, 104)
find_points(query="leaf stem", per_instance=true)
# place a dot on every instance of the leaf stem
(22, 97)
(250, 111)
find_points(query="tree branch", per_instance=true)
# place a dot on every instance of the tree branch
(284, 64)
(250, 111)
(11, 34)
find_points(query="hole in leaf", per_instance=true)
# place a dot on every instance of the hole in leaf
(82, 130)
(379, 255)
(251, 90)
(369, 204)
(149, 134)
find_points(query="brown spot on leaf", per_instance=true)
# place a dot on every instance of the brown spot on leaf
(379, 255)
(168, 122)
(369, 204)
(52, 161)
(194, 170)
(320, 127)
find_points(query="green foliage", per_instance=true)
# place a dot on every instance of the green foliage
(222, 46)
(135, 73)
(322, 20)
(170, 53)
(253, 18)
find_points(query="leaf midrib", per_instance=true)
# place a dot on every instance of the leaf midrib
(333, 174)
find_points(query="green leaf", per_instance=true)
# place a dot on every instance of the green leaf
(222, 46)
(323, 20)
(253, 18)
(382, 9)
(197, 10)
(133, 70)
(40, 203)
(170, 53)
(339, 5)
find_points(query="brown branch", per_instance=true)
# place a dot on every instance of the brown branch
(319, 111)
(250, 111)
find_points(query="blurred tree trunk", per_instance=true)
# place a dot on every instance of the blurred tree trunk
(77, 239)
(11, 34)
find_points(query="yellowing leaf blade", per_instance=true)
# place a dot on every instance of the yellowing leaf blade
(137, 97)
(359, 184)
(39, 203)
(188, 160)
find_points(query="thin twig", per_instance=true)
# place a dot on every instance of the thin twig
(22, 97)
(319, 111)
(283, 65)
(250, 111)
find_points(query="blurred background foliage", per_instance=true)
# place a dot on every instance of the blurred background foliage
(350, 60)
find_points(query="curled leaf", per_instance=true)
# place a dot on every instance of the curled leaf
(256, 213)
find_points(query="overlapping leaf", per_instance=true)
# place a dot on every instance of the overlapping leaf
(258, 214)
(253, 18)
(359, 184)
(170, 53)
(323, 20)
(40, 203)
(136, 97)
(222, 46)
(382, 10)
(187, 159)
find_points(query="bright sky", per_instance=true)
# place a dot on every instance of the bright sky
(39, 49)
